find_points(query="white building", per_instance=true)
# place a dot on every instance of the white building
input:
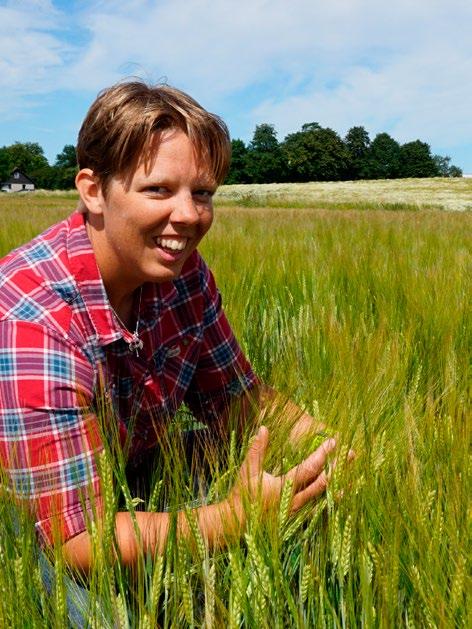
(18, 182)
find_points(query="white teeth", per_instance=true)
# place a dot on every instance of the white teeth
(170, 243)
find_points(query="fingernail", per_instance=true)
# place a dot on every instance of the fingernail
(258, 434)
(331, 443)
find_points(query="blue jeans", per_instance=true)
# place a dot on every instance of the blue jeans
(78, 598)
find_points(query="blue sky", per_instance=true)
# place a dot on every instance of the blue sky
(401, 67)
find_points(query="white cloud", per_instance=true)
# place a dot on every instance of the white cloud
(231, 43)
(421, 95)
(30, 53)
(404, 65)
(208, 45)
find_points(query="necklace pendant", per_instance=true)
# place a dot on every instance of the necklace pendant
(135, 344)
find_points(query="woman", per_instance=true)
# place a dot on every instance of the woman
(116, 303)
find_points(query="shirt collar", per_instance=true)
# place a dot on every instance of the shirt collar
(84, 267)
(87, 275)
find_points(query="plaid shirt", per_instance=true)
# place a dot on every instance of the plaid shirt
(63, 353)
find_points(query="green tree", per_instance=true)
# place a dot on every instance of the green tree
(45, 177)
(416, 160)
(315, 154)
(264, 138)
(382, 161)
(65, 178)
(445, 168)
(67, 158)
(311, 126)
(5, 169)
(357, 142)
(264, 158)
(455, 171)
(27, 156)
(237, 170)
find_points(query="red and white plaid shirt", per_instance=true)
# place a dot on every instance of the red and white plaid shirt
(62, 352)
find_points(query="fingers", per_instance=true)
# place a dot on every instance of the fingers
(311, 492)
(319, 485)
(252, 465)
(312, 466)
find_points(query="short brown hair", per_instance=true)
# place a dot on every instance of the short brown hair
(124, 121)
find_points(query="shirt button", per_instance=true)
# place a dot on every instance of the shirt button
(173, 351)
(185, 341)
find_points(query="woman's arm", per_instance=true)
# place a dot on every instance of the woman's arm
(218, 523)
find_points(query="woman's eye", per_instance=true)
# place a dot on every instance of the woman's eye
(204, 194)
(156, 189)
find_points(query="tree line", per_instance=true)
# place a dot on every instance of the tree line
(317, 153)
(30, 159)
(314, 153)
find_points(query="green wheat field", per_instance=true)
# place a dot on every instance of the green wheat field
(355, 302)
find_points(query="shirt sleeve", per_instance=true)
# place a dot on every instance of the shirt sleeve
(222, 370)
(49, 439)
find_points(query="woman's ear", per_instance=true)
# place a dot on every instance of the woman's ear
(90, 190)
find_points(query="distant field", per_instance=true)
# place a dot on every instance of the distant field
(363, 317)
(393, 194)
(23, 216)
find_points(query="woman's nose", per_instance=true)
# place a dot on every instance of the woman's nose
(185, 210)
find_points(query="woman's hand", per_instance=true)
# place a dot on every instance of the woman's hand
(309, 477)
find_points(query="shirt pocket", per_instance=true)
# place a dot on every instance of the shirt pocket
(175, 363)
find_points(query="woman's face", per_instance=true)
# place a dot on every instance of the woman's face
(150, 226)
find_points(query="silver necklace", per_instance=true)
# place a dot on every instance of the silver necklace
(136, 343)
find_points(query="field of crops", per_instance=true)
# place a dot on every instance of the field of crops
(363, 317)
(390, 194)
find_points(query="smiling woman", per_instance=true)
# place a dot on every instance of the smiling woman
(123, 274)
(144, 230)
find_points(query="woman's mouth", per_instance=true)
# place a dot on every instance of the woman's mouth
(170, 249)
(171, 244)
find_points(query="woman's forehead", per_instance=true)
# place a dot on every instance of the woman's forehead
(174, 144)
